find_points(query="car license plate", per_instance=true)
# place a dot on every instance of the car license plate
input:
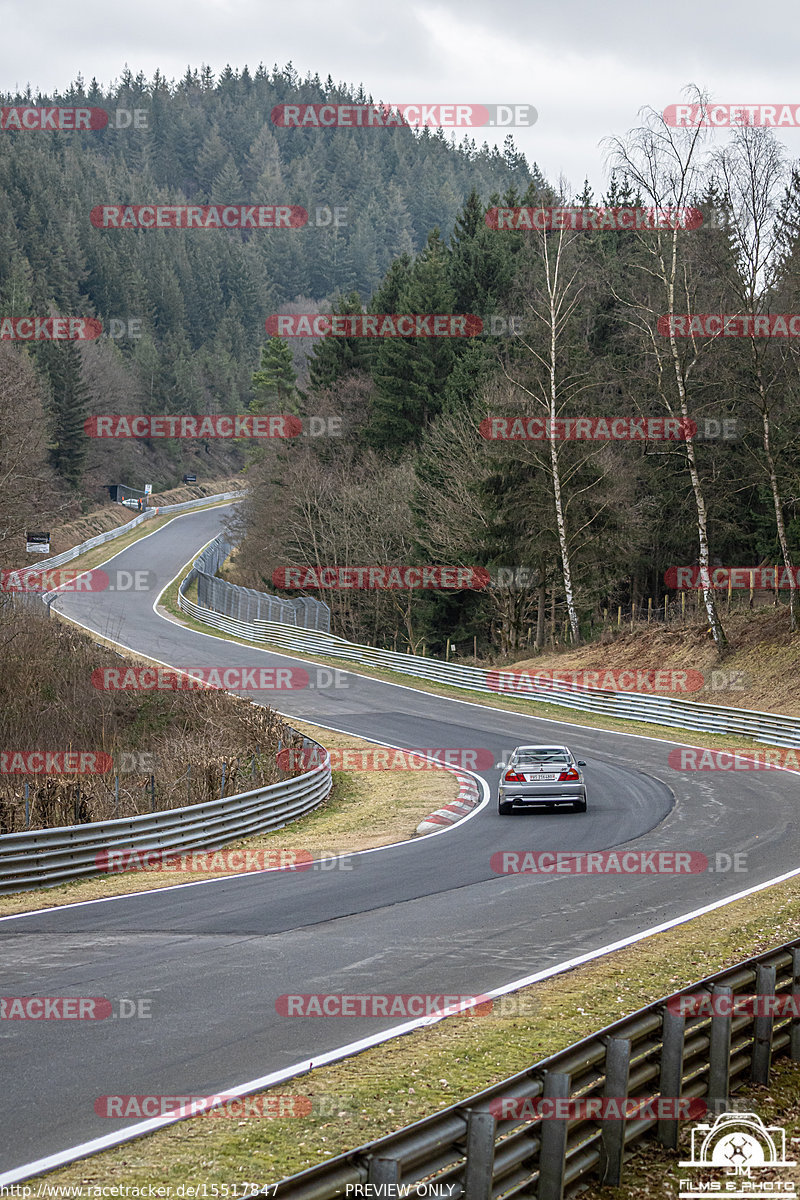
(541, 778)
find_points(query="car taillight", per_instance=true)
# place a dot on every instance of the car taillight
(513, 777)
(568, 776)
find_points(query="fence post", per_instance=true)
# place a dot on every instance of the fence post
(612, 1136)
(385, 1172)
(719, 1053)
(116, 794)
(27, 807)
(673, 1031)
(762, 1026)
(480, 1156)
(222, 789)
(152, 793)
(553, 1141)
(794, 1036)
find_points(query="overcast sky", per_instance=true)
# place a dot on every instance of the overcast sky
(587, 67)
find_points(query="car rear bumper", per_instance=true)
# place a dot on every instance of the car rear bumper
(527, 796)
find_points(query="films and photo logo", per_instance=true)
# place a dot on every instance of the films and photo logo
(737, 1144)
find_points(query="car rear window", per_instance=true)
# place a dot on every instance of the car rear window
(540, 756)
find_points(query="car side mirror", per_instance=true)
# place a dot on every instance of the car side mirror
(581, 763)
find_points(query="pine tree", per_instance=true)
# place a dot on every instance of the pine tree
(275, 382)
(411, 373)
(69, 410)
(334, 357)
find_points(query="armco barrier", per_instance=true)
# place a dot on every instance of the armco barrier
(465, 1152)
(770, 728)
(121, 530)
(48, 857)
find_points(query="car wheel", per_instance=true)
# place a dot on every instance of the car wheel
(579, 806)
(504, 808)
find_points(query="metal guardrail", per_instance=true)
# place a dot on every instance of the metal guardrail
(110, 534)
(653, 1052)
(770, 728)
(51, 856)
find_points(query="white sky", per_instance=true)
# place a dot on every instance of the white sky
(587, 67)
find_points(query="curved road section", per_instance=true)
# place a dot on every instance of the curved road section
(429, 916)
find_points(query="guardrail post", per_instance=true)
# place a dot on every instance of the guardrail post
(794, 1036)
(481, 1127)
(553, 1141)
(762, 1026)
(673, 1035)
(719, 1053)
(612, 1137)
(385, 1172)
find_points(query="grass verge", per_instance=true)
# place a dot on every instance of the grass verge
(389, 1086)
(364, 810)
(516, 704)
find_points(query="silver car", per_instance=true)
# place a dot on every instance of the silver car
(536, 775)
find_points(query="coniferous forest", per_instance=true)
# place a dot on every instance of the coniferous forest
(572, 329)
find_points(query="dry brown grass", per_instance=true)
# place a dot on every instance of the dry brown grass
(364, 810)
(49, 703)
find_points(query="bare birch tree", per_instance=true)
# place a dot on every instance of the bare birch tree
(754, 177)
(665, 165)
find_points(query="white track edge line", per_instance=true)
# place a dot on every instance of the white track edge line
(84, 1149)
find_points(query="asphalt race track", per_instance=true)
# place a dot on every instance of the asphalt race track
(423, 916)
